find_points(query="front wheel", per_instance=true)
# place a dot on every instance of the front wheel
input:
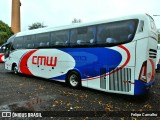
(15, 69)
(74, 79)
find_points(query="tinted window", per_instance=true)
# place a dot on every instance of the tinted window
(83, 36)
(60, 38)
(42, 40)
(2, 50)
(116, 32)
(29, 41)
(18, 43)
(11, 39)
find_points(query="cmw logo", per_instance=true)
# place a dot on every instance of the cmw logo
(44, 60)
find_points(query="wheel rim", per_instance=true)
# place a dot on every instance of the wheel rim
(73, 80)
(15, 70)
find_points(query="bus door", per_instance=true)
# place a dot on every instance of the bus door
(99, 82)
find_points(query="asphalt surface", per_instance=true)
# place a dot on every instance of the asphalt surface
(27, 93)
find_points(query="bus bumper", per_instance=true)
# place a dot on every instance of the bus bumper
(141, 87)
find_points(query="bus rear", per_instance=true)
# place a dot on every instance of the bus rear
(158, 58)
(146, 51)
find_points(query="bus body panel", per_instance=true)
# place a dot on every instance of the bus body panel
(95, 69)
(44, 63)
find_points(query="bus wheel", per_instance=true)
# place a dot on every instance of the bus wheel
(74, 79)
(15, 69)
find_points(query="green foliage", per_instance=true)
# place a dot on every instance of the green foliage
(76, 20)
(5, 32)
(36, 26)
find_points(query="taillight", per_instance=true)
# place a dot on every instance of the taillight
(143, 72)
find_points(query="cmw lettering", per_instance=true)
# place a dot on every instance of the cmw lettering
(44, 60)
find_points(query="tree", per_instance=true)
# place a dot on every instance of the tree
(36, 26)
(5, 32)
(76, 20)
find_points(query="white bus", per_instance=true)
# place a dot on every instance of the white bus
(116, 55)
(158, 57)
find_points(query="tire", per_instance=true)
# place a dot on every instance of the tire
(74, 79)
(15, 69)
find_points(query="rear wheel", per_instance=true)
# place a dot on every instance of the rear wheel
(74, 79)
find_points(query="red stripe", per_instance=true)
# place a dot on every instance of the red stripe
(153, 69)
(23, 63)
(1, 55)
(121, 67)
(131, 82)
(126, 62)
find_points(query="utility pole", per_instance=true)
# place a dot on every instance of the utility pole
(15, 17)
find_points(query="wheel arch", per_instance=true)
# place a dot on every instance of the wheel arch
(71, 70)
(13, 65)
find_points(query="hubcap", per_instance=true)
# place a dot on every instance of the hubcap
(74, 80)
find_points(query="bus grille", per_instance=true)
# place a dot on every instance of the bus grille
(152, 53)
(120, 80)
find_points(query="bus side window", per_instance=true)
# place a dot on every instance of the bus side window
(102, 34)
(83, 36)
(29, 41)
(91, 35)
(73, 37)
(116, 32)
(60, 38)
(18, 43)
(42, 40)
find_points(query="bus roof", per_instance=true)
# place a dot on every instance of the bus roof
(50, 29)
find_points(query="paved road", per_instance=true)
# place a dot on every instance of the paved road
(26, 93)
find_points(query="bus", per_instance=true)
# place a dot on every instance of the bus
(158, 57)
(116, 55)
(1, 54)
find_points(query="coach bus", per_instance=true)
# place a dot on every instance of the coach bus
(158, 57)
(1, 54)
(116, 55)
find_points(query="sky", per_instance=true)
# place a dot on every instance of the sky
(62, 12)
